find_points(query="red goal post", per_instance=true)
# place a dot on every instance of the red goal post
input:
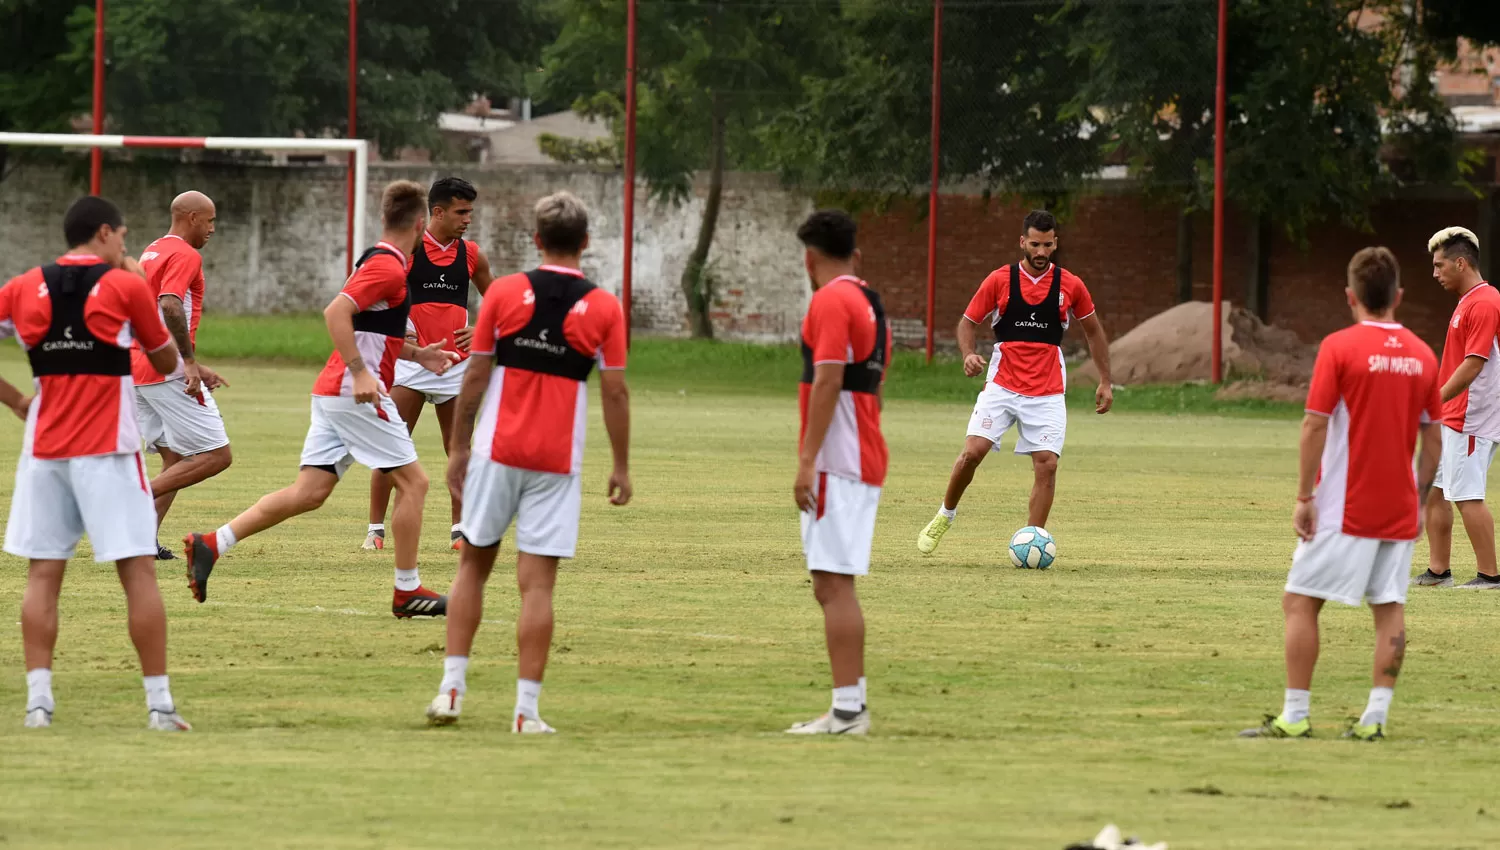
(359, 147)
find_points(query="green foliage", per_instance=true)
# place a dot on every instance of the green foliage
(584, 151)
(1448, 20)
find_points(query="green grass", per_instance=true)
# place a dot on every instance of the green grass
(1012, 708)
(728, 368)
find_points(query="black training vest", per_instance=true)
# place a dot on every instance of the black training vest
(1023, 322)
(427, 283)
(541, 345)
(392, 320)
(70, 348)
(864, 376)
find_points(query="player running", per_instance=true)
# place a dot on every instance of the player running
(81, 469)
(176, 411)
(841, 458)
(1358, 509)
(1470, 380)
(352, 417)
(442, 266)
(538, 337)
(1029, 305)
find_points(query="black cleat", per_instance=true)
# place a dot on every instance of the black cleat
(165, 554)
(201, 558)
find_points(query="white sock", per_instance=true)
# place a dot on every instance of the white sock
(39, 689)
(1378, 707)
(848, 698)
(458, 527)
(864, 692)
(1298, 705)
(454, 668)
(948, 512)
(407, 579)
(158, 695)
(377, 526)
(226, 540)
(527, 694)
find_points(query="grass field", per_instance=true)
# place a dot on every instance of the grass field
(1012, 708)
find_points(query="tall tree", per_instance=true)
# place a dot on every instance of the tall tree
(1477, 20)
(42, 82)
(711, 74)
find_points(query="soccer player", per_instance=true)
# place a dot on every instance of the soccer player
(442, 267)
(353, 419)
(1471, 413)
(841, 457)
(1028, 305)
(81, 469)
(538, 337)
(1358, 514)
(176, 411)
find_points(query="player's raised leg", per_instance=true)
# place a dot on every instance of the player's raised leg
(409, 403)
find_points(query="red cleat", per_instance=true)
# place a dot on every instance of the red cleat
(202, 552)
(418, 603)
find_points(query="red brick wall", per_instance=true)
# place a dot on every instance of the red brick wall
(1125, 250)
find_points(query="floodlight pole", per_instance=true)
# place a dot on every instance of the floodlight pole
(932, 189)
(96, 156)
(1220, 122)
(629, 252)
(353, 115)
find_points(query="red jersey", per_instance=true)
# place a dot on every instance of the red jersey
(1377, 383)
(840, 327)
(173, 267)
(533, 420)
(1028, 368)
(378, 284)
(1471, 333)
(435, 321)
(82, 415)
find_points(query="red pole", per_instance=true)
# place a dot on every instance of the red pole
(96, 156)
(629, 161)
(355, 204)
(932, 190)
(1219, 133)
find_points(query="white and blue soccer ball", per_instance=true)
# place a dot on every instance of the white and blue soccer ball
(1032, 548)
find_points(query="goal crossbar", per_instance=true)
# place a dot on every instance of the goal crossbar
(359, 147)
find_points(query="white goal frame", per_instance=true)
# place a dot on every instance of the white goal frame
(358, 147)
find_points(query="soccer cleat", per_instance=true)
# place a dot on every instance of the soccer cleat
(445, 708)
(1480, 582)
(38, 718)
(418, 603)
(167, 721)
(531, 726)
(165, 554)
(835, 722)
(1275, 727)
(456, 539)
(374, 540)
(927, 541)
(202, 554)
(1372, 732)
(1432, 579)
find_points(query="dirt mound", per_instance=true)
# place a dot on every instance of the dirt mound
(1177, 345)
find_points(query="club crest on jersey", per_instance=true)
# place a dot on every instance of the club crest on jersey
(1393, 342)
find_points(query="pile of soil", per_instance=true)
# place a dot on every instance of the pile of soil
(1176, 346)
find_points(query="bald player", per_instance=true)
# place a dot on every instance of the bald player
(176, 412)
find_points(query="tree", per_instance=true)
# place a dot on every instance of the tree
(1448, 20)
(710, 75)
(41, 83)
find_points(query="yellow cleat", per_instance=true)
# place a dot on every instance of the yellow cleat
(927, 541)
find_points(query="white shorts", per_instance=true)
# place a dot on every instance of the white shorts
(837, 536)
(170, 417)
(343, 432)
(1340, 568)
(57, 501)
(438, 389)
(1465, 466)
(544, 505)
(1042, 420)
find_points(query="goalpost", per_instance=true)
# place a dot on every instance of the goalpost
(359, 147)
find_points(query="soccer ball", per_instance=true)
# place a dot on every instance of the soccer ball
(1032, 548)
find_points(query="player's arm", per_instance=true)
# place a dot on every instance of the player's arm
(174, 316)
(1309, 459)
(967, 341)
(1098, 340)
(1463, 376)
(1427, 460)
(470, 397)
(339, 318)
(10, 396)
(13, 398)
(615, 397)
(481, 277)
(430, 357)
(828, 381)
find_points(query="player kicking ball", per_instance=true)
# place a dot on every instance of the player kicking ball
(538, 338)
(842, 456)
(352, 417)
(1029, 306)
(1358, 514)
(81, 469)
